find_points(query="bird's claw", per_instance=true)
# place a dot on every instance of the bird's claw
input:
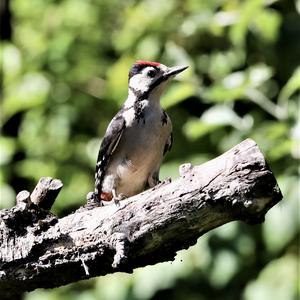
(118, 198)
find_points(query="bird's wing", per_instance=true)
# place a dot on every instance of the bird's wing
(168, 144)
(108, 146)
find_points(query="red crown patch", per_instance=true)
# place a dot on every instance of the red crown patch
(148, 63)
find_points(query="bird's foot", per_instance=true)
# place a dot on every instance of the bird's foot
(117, 198)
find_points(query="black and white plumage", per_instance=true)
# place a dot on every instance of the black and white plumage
(138, 137)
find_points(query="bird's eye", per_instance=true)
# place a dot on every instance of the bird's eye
(151, 73)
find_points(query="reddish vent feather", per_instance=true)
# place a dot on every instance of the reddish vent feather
(148, 63)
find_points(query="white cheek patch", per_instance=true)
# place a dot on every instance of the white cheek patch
(140, 82)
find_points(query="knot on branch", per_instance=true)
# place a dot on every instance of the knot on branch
(185, 169)
(118, 242)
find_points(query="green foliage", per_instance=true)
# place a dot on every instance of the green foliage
(65, 76)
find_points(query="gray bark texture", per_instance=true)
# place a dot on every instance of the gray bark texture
(39, 250)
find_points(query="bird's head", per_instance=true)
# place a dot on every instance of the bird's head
(147, 78)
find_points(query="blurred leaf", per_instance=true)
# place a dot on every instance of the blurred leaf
(195, 128)
(118, 78)
(7, 196)
(147, 283)
(225, 266)
(278, 280)
(7, 149)
(75, 188)
(295, 137)
(292, 86)
(169, 170)
(31, 91)
(273, 137)
(35, 169)
(246, 11)
(148, 48)
(220, 66)
(139, 19)
(223, 115)
(178, 56)
(267, 23)
(113, 286)
(258, 74)
(278, 234)
(11, 61)
(177, 93)
(199, 20)
(216, 117)
(224, 92)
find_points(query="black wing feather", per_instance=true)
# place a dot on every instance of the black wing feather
(109, 143)
(168, 144)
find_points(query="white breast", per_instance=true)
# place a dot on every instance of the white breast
(140, 151)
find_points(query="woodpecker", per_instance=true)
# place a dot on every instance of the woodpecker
(138, 136)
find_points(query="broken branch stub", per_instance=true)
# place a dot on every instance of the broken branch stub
(45, 192)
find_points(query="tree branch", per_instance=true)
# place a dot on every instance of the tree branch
(38, 250)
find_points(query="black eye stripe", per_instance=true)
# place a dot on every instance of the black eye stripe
(138, 68)
(152, 73)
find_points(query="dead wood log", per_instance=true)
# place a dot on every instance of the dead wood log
(38, 250)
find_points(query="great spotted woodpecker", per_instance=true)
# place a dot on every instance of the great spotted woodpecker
(138, 136)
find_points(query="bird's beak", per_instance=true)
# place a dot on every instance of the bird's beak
(174, 71)
(169, 73)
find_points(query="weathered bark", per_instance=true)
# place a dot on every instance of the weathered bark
(45, 192)
(40, 251)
